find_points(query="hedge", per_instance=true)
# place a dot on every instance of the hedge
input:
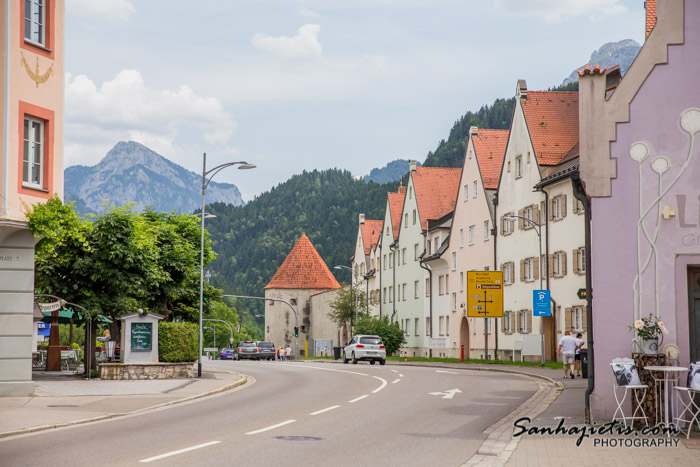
(177, 342)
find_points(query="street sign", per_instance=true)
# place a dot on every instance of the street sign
(210, 349)
(231, 340)
(485, 294)
(541, 305)
(581, 294)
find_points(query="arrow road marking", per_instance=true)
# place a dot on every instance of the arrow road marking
(448, 372)
(447, 394)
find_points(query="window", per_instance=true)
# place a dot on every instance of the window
(524, 321)
(415, 252)
(488, 326)
(447, 283)
(410, 192)
(436, 244)
(461, 238)
(442, 325)
(471, 234)
(384, 294)
(559, 264)
(387, 230)
(518, 166)
(384, 262)
(391, 294)
(403, 253)
(371, 263)
(529, 269)
(405, 218)
(487, 231)
(427, 287)
(579, 258)
(415, 289)
(461, 281)
(578, 206)
(508, 276)
(414, 217)
(415, 325)
(35, 21)
(507, 226)
(33, 153)
(474, 189)
(391, 260)
(454, 301)
(506, 322)
(403, 291)
(558, 208)
(466, 193)
(408, 325)
(447, 325)
(427, 326)
(577, 318)
(441, 285)
(454, 260)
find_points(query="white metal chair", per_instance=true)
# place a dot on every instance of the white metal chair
(691, 393)
(626, 379)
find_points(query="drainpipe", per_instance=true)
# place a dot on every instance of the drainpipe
(393, 281)
(4, 210)
(546, 256)
(580, 195)
(430, 298)
(494, 232)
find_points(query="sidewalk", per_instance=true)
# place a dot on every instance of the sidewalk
(65, 399)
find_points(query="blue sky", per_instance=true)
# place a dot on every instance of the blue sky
(301, 85)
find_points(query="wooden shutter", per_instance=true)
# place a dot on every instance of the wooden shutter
(550, 265)
(503, 325)
(536, 268)
(563, 205)
(567, 319)
(522, 270)
(541, 219)
(529, 320)
(503, 225)
(575, 209)
(574, 259)
(551, 209)
(584, 321)
(563, 263)
(535, 213)
(512, 322)
(521, 222)
(512, 272)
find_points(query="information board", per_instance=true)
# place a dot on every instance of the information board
(541, 305)
(141, 336)
(485, 294)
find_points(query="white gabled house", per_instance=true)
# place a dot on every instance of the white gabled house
(364, 270)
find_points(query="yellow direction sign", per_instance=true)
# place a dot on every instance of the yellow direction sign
(485, 294)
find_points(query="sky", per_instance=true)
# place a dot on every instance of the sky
(294, 85)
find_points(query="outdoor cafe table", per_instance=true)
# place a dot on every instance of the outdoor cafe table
(670, 376)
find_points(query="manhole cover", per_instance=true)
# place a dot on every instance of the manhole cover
(62, 405)
(299, 438)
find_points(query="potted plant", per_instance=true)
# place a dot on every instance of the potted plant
(647, 331)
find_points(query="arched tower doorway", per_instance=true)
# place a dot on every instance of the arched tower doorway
(464, 335)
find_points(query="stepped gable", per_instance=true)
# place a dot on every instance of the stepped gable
(371, 230)
(436, 191)
(395, 208)
(552, 119)
(490, 149)
(303, 269)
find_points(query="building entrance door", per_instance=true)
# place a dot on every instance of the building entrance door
(694, 312)
(464, 336)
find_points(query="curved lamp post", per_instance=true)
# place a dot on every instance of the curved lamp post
(242, 165)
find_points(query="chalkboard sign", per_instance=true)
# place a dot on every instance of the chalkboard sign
(141, 336)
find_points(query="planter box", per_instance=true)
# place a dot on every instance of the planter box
(124, 371)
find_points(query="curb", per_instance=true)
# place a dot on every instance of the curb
(240, 382)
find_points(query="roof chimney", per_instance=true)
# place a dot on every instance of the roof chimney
(362, 219)
(521, 90)
(473, 131)
(412, 165)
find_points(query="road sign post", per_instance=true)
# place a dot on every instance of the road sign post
(485, 298)
(541, 303)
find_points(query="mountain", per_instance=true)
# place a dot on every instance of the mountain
(620, 53)
(130, 172)
(391, 172)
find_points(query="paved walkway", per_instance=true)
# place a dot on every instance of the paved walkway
(63, 399)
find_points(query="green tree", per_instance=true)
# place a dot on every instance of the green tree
(343, 310)
(390, 333)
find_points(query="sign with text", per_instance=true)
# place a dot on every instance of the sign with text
(485, 294)
(141, 336)
(541, 305)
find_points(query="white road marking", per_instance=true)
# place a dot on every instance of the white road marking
(396, 381)
(448, 372)
(324, 410)
(447, 394)
(270, 427)
(331, 369)
(358, 398)
(400, 375)
(380, 387)
(395, 371)
(173, 453)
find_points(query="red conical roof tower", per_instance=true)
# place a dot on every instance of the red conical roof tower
(303, 269)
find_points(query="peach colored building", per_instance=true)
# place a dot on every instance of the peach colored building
(31, 167)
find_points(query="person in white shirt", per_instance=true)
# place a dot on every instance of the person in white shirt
(567, 349)
(577, 357)
(288, 351)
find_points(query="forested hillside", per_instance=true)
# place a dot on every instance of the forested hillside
(252, 241)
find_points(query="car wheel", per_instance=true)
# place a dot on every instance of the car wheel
(354, 360)
(371, 362)
(382, 362)
(345, 359)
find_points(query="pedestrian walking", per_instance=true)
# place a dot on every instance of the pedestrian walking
(577, 357)
(280, 354)
(567, 349)
(288, 351)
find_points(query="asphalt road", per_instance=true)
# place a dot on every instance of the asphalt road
(298, 414)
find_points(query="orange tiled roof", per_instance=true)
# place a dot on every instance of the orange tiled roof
(587, 70)
(490, 149)
(303, 269)
(395, 208)
(370, 234)
(651, 15)
(436, 191)
(552, 119)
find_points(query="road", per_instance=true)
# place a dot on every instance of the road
(298, 414)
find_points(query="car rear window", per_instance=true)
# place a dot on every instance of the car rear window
(246, 344)
(371, 340)
(266, 345)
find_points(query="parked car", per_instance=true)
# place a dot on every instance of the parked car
(247, 349)
(226, 354)
(364, 347)
(267, 350)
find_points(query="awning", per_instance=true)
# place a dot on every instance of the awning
(64, 317)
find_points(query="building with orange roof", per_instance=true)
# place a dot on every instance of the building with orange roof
(302, 275)
(364, 262)
(31, 170)
(540, 224)
(470, 247)
(387, 241)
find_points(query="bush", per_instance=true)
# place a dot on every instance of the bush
(391, 334)
(177, 342)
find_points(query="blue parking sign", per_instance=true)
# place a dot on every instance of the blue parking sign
(541, 303)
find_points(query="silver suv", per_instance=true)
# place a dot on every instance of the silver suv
(363, 347)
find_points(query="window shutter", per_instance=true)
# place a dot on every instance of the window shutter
(529, 321)
(563, 205)
(575, 206)
(550, 265)
(551, 209)
(563, 263)
(512, 272)
(583, 319)
(567, 319)
(503, 325)
(522, 270)
(512, 322)
(536, 268)
(521, 222)
(503, 225)
(541, 219)
(574, 258)
(535, 213)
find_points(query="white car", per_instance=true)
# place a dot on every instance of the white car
(363, 347)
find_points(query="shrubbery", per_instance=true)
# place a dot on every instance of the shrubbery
(177, 342)
(391, 333)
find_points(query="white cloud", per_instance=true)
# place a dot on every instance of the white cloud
(101, 9)
(556, 11)
(125, 108)
(304, 45)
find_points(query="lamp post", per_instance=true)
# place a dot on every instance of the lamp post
(352, 274)
(242, 165)
(538, 231)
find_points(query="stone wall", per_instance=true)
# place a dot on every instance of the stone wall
(116, 371)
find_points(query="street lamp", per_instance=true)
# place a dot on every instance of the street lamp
(242, 165)
(538, 231)
(352, 274)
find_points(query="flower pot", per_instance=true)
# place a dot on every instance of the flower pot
(650, 346)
